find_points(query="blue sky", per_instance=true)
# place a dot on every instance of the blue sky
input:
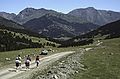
(15, 6)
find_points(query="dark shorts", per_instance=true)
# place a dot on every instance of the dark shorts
(17, 64)
(27, 63)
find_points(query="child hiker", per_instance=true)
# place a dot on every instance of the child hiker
(37, 61)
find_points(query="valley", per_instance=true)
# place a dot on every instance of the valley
(81, 44)
(55, 24)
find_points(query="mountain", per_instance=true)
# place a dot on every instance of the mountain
(53, 26)
(31, 13)
(15, 39)
(10, 23)
(82, 15)
(108, 31)
(99, 17)
(74, 23)
(9, 16)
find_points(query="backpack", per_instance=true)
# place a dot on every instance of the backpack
(19, 58)
(28, 58)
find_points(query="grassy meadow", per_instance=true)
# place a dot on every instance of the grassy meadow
(32, 51)
(103, 62)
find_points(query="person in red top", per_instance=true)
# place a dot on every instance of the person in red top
(37, 61)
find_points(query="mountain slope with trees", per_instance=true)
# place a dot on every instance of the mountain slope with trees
(10, 23)
(53, 26)
(108, 31)
(76, 22)
(14, 36)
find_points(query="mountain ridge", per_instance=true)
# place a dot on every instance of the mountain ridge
(67, 24)
(108, 31)
(10, 23)
(99, 17)
(90, 14)
(31, 13)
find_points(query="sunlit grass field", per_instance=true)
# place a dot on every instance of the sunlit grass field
(102, 62)
(32, 51)
(12, 54)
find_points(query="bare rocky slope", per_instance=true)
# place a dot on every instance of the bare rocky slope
(90, 14)
(99, 17)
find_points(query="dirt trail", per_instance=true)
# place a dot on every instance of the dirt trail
(10, 73)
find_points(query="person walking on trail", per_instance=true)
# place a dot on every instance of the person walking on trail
(27, 61)
(17, 62)
(19, 58)
(37, 61)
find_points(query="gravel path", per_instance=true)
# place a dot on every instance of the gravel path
(65, 68)
(10, 73)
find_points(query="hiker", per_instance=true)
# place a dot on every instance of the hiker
(27, 61)
(37, 61)
(19, 58)
(17, 62)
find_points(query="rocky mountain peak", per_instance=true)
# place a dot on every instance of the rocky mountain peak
(90, 8)
(28, 10)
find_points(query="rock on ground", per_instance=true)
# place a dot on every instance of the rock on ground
(64, 68)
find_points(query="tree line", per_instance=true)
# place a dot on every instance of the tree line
(9, 41)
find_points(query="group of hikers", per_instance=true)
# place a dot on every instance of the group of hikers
(27, 60)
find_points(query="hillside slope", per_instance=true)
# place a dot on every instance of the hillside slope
(53, 26)
(101, 62)
(9, 16)
(14, 36)
(31, 13)
(10, 23)
(99, 17)
(107, 31)
(111, 30)
(82, 15)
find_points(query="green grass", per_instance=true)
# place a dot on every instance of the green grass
(34, 39)
(102, 62)
(12, 54)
